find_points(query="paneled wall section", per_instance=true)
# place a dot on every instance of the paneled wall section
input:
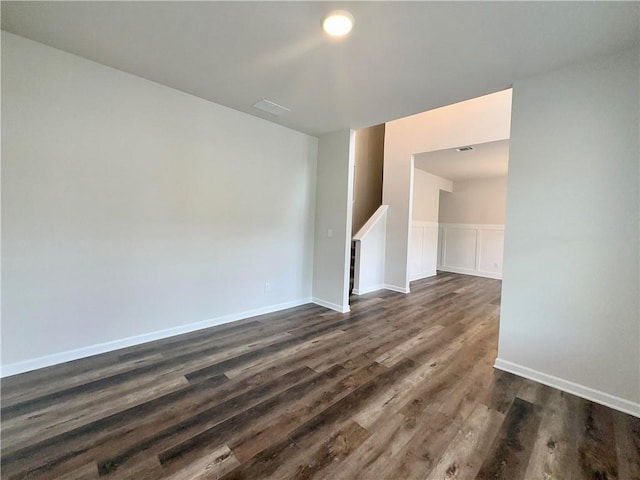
(471, 249)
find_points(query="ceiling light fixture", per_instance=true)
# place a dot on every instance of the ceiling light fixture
(338, 23)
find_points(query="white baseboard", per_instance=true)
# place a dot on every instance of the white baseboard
(420, 276)
(62, 357)
(395, 288)
(367, 290)
(470, 271)
(331, 305)
(597, 396)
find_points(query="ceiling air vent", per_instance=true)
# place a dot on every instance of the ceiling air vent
(271, 107)
(464, 149)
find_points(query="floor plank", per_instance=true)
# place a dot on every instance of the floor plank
(466, 452)
(508, 457)
(598, 461)
(627, 431)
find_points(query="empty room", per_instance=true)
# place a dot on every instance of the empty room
(247, 240)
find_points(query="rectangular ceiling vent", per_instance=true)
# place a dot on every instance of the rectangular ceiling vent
(271, 107)
(464, 149)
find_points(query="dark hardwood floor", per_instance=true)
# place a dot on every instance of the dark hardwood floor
(400, 388)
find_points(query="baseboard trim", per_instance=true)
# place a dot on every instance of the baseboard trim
(470, 271)
(367, 290)
(588, 393)
(395, 288)
(83, 352)
(420, 276)
(331, 305)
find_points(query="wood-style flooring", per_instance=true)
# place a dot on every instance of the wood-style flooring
(400, 388)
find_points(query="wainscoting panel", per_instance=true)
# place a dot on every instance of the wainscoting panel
(490, 248)
(460, 248)
(423, 250)
(471, 249)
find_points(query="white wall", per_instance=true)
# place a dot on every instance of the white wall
(570, 313)
(477, 201)
(333, 220)
(130, 209)
(369, 261)
(426, 195)
(480, 120)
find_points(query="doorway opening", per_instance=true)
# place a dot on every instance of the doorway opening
(459, 202)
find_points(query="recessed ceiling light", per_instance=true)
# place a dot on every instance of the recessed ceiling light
(338, 23)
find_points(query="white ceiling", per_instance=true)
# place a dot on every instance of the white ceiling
(484, 161)
(401, 58)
